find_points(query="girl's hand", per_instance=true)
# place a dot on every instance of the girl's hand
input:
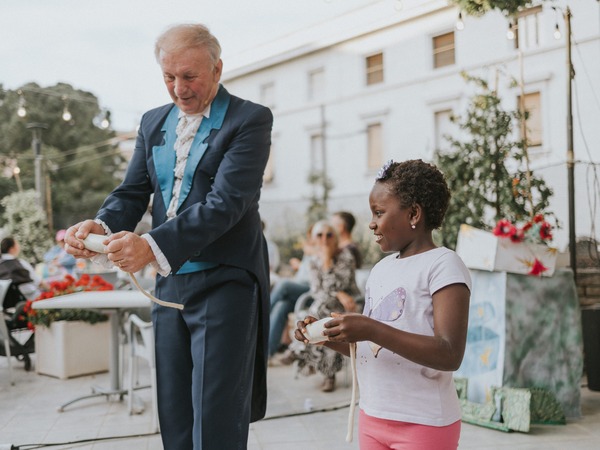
(349, 327)
(299, 333)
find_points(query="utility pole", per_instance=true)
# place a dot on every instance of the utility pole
(36, 145)
(570, 153)
(324, 158)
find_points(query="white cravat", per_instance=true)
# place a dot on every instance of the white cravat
(186, 130)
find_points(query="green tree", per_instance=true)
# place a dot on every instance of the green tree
(488, 175)
(322, 186)
(480, 7)
(80, 158)
(26, 221)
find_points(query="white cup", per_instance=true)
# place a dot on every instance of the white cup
(314, 331)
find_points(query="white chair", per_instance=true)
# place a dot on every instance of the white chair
(4, 333)
(140, 335)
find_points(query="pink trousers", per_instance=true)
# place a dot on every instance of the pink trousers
(383, 434)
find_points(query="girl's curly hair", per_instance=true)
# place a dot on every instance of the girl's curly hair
(417, 182)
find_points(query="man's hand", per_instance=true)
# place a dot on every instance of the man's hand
(128, 251)
(76, 234)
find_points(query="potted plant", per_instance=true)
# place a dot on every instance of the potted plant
(68, 285)
(512, 247)
(70, 342)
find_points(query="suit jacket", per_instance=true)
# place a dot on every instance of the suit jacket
(217, 219)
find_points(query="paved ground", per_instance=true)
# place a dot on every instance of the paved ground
(29, 417)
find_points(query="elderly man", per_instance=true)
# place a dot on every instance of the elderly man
(203, 158)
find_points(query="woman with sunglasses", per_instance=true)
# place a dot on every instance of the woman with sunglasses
(333, 289)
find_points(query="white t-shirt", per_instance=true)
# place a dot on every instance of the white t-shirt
(399, 293)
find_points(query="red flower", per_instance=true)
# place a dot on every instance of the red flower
(504, 228)
(545, 231)
(68, 285)
(518, 235)
(537, 267)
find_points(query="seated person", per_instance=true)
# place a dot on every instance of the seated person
(344, 222)
(18, 270)
(58, 261)
(273, 252)
(333, 288)
(284, 294)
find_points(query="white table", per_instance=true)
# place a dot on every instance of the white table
(115, 303)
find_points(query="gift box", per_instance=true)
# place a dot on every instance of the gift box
(483, 250)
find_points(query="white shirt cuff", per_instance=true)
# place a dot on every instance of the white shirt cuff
(106, 229)
(161, 264)
(101, 259)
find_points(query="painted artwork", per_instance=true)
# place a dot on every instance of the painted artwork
(524, 332)
(483, 363)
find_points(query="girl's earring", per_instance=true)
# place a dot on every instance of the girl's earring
(413, 226)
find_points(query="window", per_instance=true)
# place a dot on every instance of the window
(374, 69)
(443, 127)
(527, 35)
(443, 50)
(316, 84)
(267, 95)
(269, 175)
(374, 146)
(533, 131)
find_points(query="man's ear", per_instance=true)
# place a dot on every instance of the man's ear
(218, 70)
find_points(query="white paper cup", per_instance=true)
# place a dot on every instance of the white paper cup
(314, 331)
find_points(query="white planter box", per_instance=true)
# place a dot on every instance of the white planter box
(484, 251)
(70, 349)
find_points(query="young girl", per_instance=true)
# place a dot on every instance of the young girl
(412, 333)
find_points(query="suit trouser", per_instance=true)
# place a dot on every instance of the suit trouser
(205, 358)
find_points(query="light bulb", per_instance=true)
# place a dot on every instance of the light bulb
(510, 33)
(556, 32)
(21, 111)
(66, 115)
(17, 170)
(460, 25)
(105, 123)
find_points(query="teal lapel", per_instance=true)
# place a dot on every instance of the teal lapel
(218, 109)
(165, 158)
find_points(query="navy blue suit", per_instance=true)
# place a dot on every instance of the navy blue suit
(211, 356)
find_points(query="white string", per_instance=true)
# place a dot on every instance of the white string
(354, 389)
(152, 297)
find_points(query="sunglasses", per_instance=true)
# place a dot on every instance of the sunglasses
(328, 235)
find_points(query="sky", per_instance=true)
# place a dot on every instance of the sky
(106, 46)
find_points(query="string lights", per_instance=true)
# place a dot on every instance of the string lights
(510, 33)
(66, 115)
(557, 34)
(460, 25)
(101, 121)
(21, 111)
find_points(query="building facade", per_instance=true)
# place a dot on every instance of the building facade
(381, 83)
